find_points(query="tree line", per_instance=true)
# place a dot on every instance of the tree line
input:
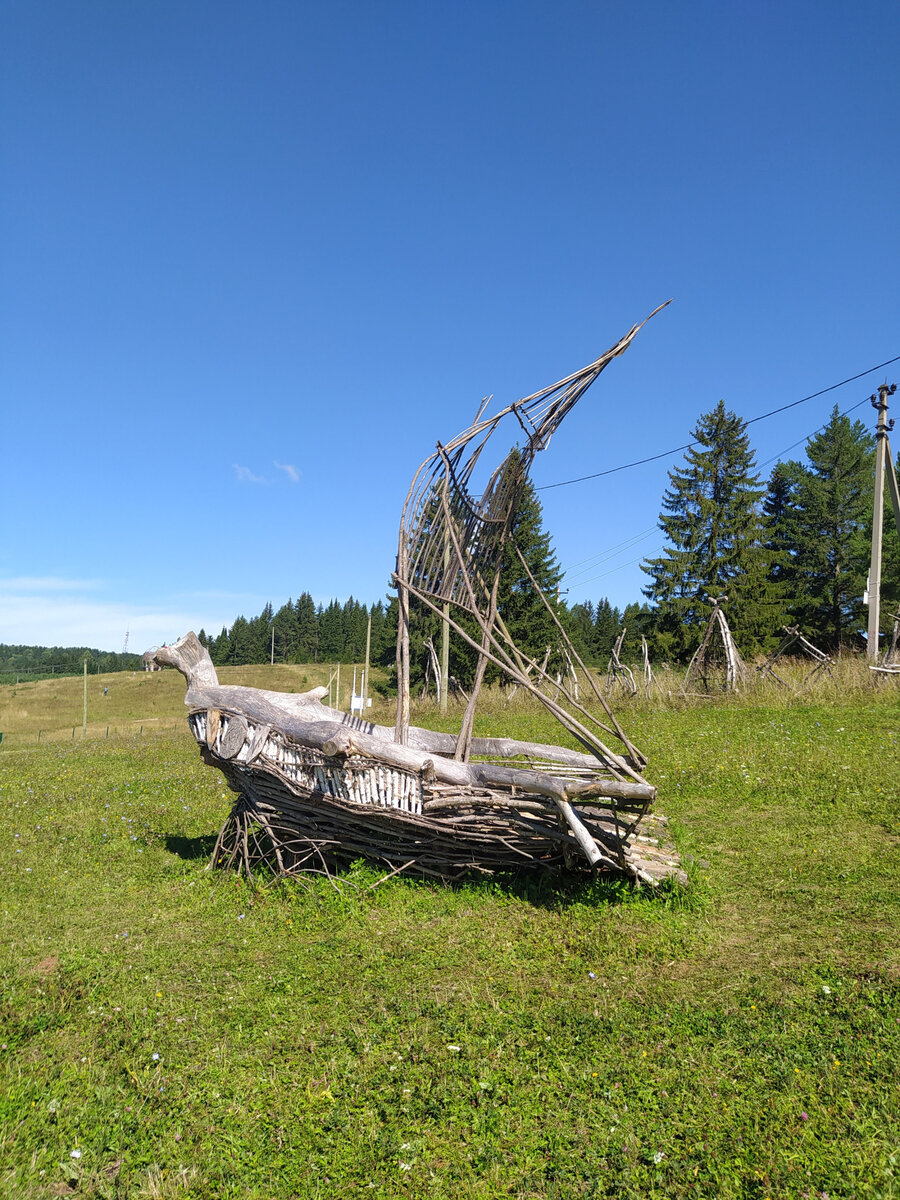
(301, 631)
(44, 662)
(791, 550)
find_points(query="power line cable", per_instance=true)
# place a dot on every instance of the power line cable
(571, 575)
(603, 553)
(687, 446)
(621, 566)
(794, 445)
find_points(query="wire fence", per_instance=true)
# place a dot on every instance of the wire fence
(124, 729)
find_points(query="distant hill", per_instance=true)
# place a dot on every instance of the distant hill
(45, 662)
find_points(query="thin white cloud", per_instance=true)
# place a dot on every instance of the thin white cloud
(47, 583)
(245, 475)
(291, 471)
(51, 619)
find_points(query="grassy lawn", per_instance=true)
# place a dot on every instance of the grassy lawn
(171, 1032)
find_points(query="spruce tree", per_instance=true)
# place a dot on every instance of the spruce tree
(307, 629)
(607, 624)
(580, 627)
(780, 517)
(331, 632)
(890, 570)
(526, 617)
(827, 529)
(286, 633)
(712, 521)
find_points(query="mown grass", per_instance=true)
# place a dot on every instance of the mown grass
(193, 1036)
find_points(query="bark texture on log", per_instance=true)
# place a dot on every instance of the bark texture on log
(335, 738)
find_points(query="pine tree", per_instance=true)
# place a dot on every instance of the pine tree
(712, 521)
(523, 611)
(307, 629)
(828, 531)
(890, 570)
(607, 624)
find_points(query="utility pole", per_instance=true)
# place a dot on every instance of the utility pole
(882, 449)
(84, 717)
(272, 658)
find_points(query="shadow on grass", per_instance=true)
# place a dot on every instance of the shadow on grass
(568, 889)
(548, 889)
(191, 848)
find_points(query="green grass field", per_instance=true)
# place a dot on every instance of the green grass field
(168, 1032)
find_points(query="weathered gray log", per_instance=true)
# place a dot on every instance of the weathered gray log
(336, 739)
(191, 658)
(231, 741)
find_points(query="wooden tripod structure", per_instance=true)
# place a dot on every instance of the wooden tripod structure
(616, 671)
(717, 654)
(890, 663)
(793, 637)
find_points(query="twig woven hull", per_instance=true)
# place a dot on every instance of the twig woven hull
(298, 809)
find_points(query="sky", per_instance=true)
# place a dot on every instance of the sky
(258, 258)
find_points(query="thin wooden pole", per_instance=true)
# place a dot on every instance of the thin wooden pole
(401, 731)
(84, 718)
(445, 620)
(467, 726)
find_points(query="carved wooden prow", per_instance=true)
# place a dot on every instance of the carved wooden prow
(189, 656)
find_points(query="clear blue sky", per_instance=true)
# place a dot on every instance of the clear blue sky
(257, 258)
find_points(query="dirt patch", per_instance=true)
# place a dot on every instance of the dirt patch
(46, 966)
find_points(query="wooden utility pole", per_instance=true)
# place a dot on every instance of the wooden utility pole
(84, 716)
(272, 659)
(882, 450)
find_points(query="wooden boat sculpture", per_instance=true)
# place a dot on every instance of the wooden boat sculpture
(317, 788)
